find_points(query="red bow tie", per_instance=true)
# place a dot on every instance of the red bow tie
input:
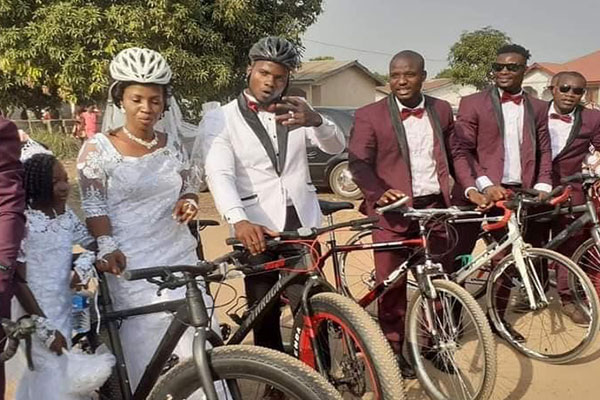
(564, 118)
(411, 112)
(517, 98)
(254, 106)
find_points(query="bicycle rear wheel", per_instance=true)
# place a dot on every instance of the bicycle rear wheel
(257, 371)
(453, 351)
(357, 271)
(358, 359)
(587, 257)
(557, 330)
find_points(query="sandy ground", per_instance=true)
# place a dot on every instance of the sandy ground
(518, 377)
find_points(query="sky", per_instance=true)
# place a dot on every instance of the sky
(371, 31)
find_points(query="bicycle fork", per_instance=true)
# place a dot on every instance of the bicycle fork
(527, 272)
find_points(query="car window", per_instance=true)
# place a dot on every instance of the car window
(342, 118)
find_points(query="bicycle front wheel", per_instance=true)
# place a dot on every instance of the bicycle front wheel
(451, 344)
(256, 372)
(563, 319)
(351, 347)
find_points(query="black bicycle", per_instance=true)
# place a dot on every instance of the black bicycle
(222, 372)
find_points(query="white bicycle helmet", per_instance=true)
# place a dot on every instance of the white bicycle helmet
(140, 65)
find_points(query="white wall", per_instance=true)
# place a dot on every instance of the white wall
(452, 93)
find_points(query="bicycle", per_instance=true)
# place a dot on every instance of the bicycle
(330, 332)
(248, 371)
(447, 332)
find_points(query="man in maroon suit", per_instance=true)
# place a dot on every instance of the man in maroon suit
(398, 147)
(573, 131)
(12, 220)
(501, 141)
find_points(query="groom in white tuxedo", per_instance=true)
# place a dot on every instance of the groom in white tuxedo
(256, 164)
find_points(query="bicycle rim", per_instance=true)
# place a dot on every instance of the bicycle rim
(458, 361)
(556, 331)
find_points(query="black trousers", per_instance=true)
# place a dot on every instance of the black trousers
(267, 332)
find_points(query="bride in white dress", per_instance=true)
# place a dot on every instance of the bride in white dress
(138, 191)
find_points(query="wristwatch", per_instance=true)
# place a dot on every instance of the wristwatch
(4, 267)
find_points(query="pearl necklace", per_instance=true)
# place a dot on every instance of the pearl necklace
(149, 145)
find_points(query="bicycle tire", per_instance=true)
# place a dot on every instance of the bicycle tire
(551, 311)
(446, 290)
(336, 312)
(266, 366)
(587, 257)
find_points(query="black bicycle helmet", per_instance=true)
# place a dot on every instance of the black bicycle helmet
(275, 49)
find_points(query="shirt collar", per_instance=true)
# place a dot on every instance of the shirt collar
(402, 106)
(553, 110)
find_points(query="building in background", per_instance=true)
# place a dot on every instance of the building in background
(334, 83)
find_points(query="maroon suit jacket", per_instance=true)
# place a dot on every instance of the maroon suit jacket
(12, 199)
(478, 145)
(379, 158)
(585, 131)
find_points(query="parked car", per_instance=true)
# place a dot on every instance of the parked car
(327, 170)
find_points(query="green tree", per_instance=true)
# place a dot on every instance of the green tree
(471, 56)
(67, 45)
(322, 58)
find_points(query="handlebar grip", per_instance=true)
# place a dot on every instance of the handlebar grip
(232, 242)
(576, 178)
(138, 274)
(397, 204)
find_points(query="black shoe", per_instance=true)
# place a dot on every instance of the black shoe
(517, 337)
(440, 363)
(406, 369)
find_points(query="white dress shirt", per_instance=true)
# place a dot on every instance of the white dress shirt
(419, 136)
(559, 130)
(513, 116)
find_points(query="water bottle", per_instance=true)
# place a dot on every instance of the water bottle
(80, 313)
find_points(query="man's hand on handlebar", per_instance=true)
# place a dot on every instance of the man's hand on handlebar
(480, 200)
(495, 193)
(390, 196)
(252, 236)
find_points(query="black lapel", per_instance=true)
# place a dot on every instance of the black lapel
(282, 143)
(434, 119)
(495, 95)
(575, 129)
(398, 128)
(530, 121)
(259, 130)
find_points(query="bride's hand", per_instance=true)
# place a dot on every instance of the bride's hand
(185, 210)
(113, 263)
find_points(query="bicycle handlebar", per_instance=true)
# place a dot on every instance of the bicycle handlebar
(203, 268)
(580, 177)
(310, 233)
(509, 205)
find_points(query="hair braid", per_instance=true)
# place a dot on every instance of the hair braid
(38, 178)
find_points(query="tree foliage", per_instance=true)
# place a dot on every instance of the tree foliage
(470, 58)
(67, 45)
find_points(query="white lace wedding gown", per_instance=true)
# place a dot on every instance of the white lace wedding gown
(47, 251)
(138, 195)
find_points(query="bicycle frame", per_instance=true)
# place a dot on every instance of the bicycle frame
(519, 247)
(180, 323)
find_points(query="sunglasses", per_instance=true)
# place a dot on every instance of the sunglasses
(567, 88)
(512, 67)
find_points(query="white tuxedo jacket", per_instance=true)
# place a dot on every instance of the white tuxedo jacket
(246, 178)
